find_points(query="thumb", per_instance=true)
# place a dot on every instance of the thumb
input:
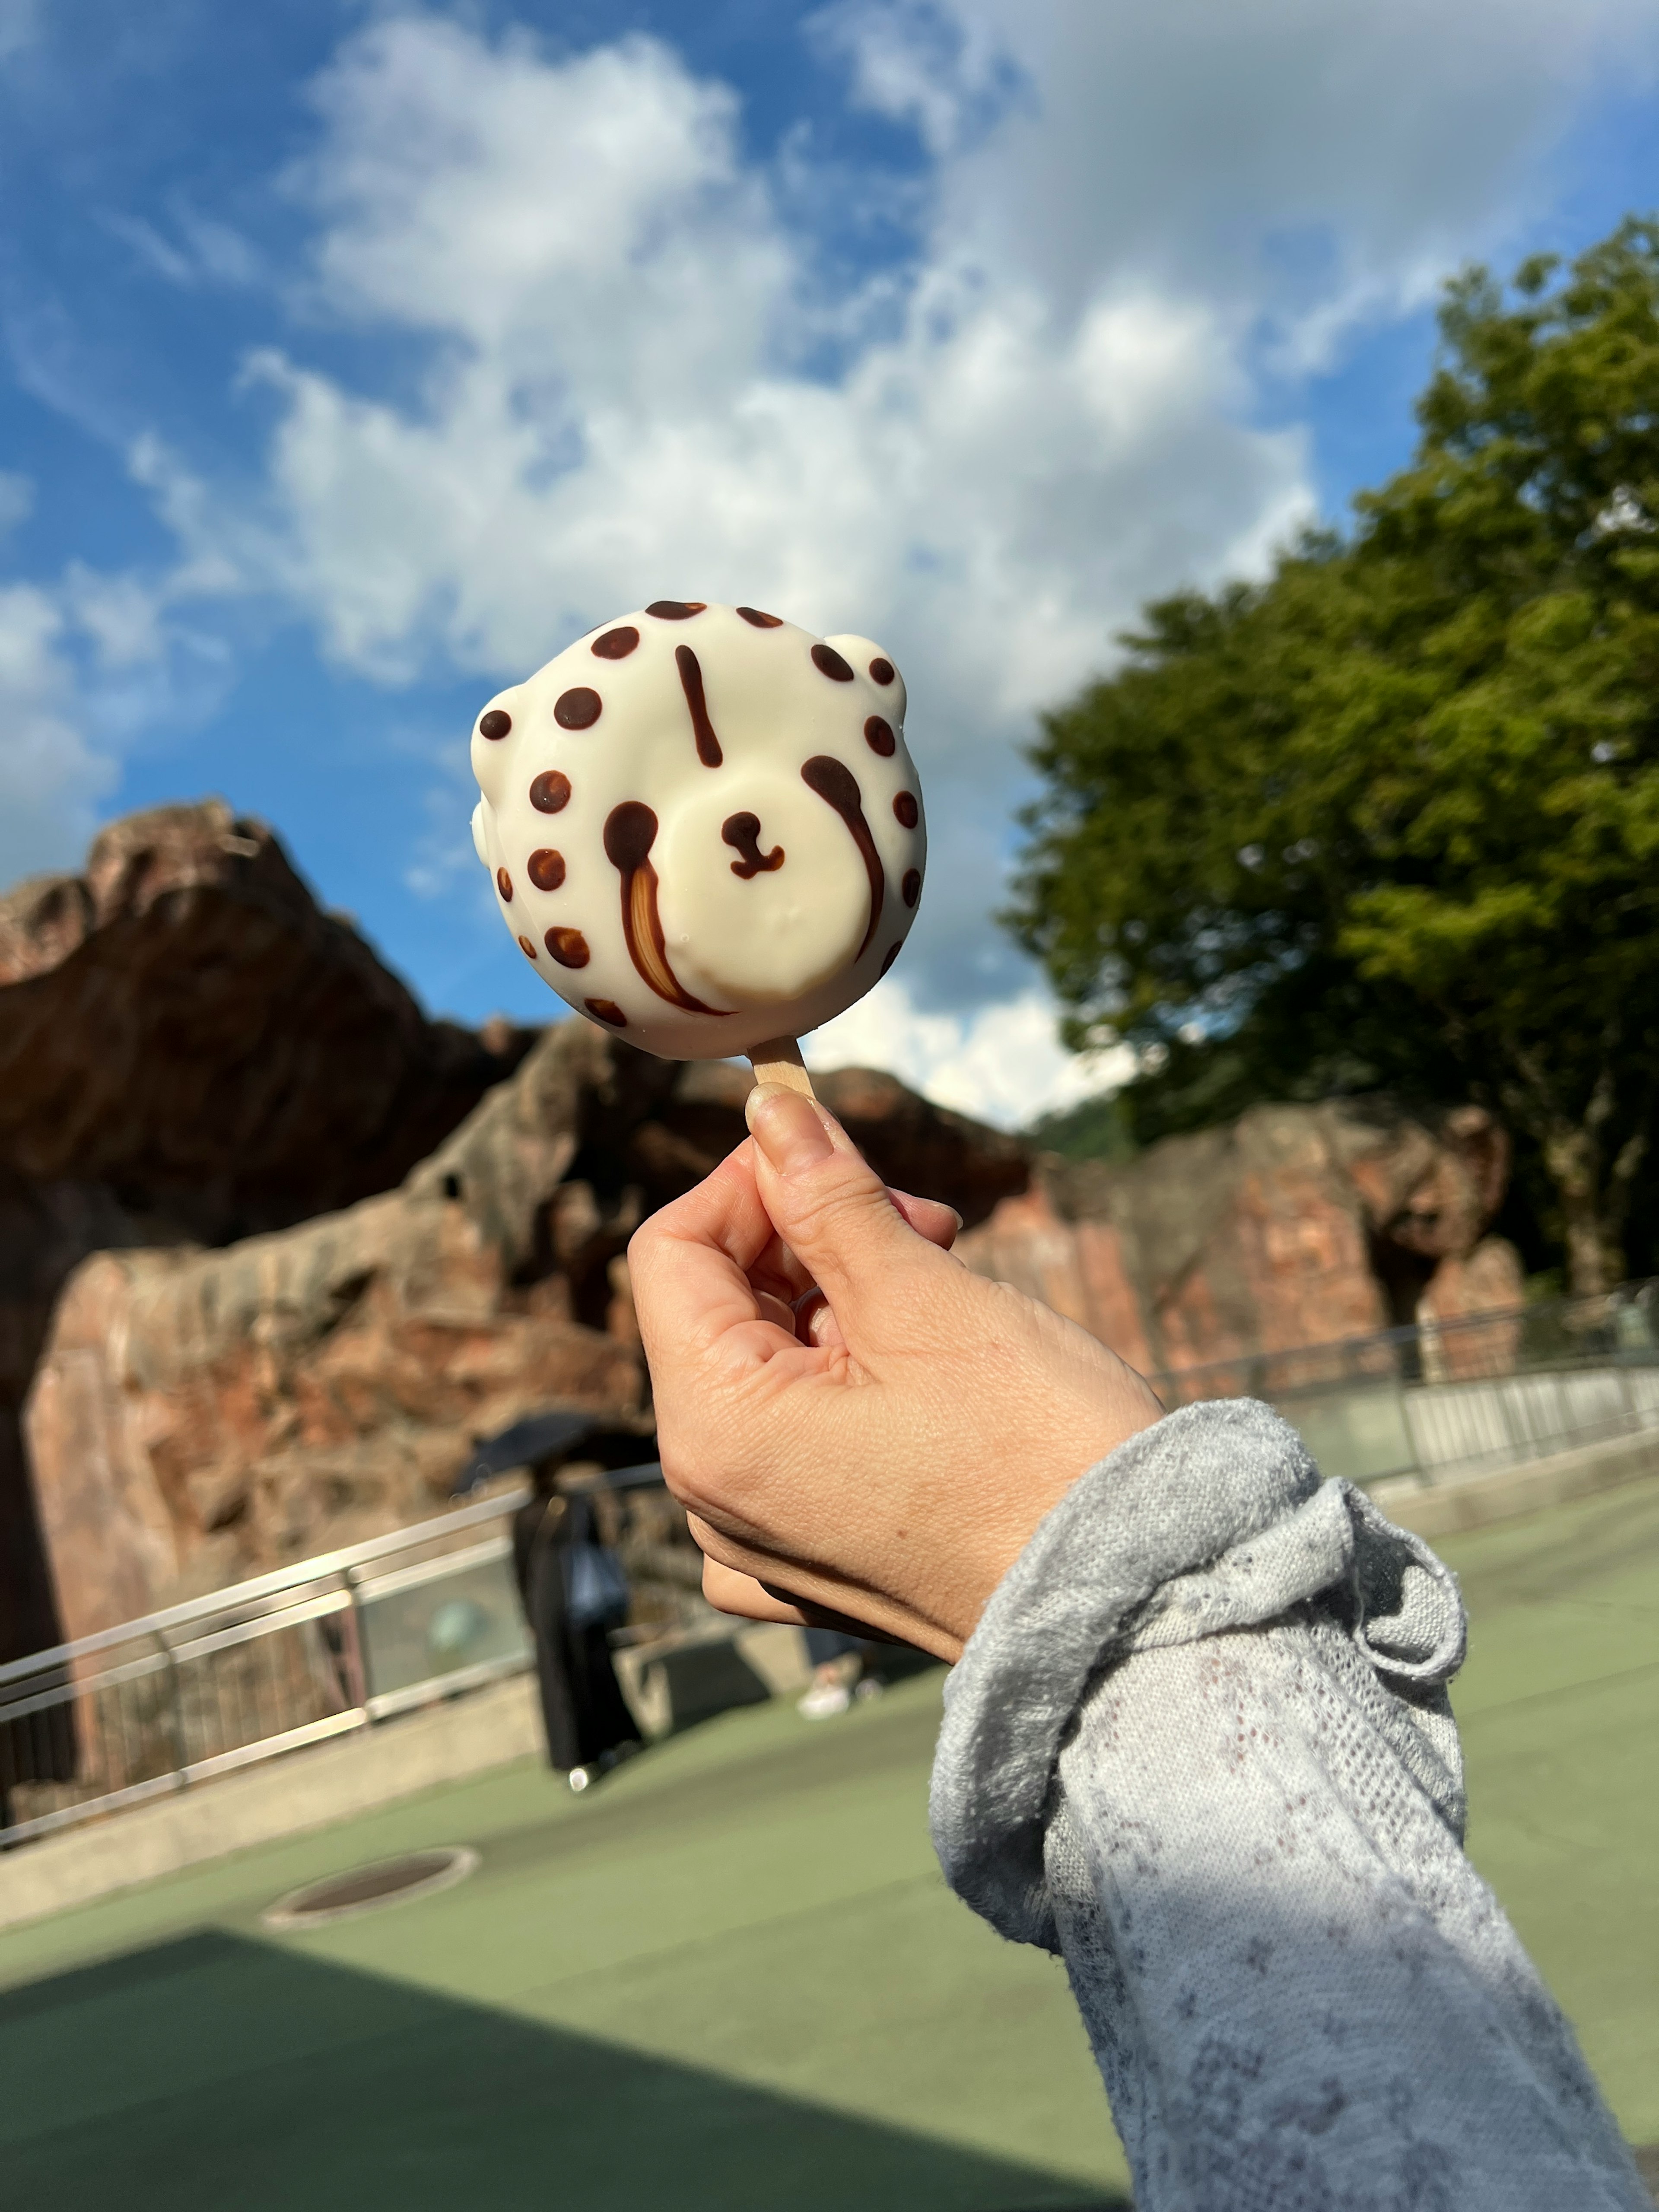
(833, 1211)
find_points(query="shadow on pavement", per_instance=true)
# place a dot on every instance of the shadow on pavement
(213, 2071)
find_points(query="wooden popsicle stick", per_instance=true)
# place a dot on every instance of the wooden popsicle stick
(779, 1060)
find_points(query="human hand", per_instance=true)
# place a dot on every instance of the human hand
(854, 1421)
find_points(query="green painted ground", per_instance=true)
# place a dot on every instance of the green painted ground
(732, 1978)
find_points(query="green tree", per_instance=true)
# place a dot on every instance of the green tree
(1392, 816)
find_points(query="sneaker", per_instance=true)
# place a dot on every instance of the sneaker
(824, 1700)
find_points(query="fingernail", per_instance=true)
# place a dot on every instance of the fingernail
(786, 1129)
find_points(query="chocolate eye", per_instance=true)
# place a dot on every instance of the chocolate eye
(674, 611)
(878, 736)
(504, 884)
(906, 810)
(550, 792)
(883, 670)
(910, 889)
(826, 658)
(617, 644)
(579, 709)
(495, 724)
(753, 616)
(526, 948)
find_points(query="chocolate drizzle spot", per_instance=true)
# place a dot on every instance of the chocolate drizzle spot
(878, 736)
(910, 889)
(630, 831)
(905, 807)
(742, 833)
(526, 948)
(550, 792)
(606, 1010)
(760, 621)
(826, 658)
(890, 957)
(495, 724)
(504, 884)
(676, 609)
(546, 869)
(835, 784)
(615, 644)
(579, 709)
(883, 670)
(568, 947)
(708, 745)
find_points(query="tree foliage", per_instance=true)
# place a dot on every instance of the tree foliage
(1392, 816)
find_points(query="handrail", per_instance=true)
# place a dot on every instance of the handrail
(234, 1595)
(308, 1651)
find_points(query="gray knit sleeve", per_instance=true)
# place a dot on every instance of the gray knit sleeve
(1200, 1745)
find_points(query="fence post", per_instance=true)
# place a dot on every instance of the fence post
(361, 1669)
(176, 1702)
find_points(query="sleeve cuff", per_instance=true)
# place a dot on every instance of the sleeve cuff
(1214, 1518)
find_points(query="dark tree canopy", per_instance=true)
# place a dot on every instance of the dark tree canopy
(1392, 816)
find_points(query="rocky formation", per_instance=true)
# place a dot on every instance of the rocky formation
(198, 1416)
(182, 1025)
(1294, 1225)
(190, 1049)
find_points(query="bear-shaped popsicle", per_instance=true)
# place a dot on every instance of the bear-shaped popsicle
(703, 825)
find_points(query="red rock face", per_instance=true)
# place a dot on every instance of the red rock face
(1296, 1226)
(190, 1050)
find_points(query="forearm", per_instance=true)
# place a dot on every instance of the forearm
(1296, 1987)
(1200, 1747)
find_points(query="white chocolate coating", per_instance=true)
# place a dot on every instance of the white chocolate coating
(708, 838)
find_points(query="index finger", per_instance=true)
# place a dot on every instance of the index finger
(692, 1266)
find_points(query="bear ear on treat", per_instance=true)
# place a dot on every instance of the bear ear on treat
(478, 845)
(868, 659)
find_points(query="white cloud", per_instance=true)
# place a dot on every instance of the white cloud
(199, 252)
(20, 25)
(1303, 163)
(1001, 1063)
(51, 778)
(16, 500)
(610, 325)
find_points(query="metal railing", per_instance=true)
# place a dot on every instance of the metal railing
(310, 1651)
(1440, 1398)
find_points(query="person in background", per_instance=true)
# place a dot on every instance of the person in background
(571, 1600)
(842, 1670)
(1198, 1739)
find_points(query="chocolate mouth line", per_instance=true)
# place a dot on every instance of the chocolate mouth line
(835, 783)
(690, 668)
(742, 833)
(630, 831)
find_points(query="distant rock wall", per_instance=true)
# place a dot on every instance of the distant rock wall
(190, 1051)
(1293, 1225)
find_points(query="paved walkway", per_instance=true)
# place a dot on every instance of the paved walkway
(730, 1979)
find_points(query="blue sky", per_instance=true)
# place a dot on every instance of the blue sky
(355, 358)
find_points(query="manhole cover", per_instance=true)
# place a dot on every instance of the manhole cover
(365, 1889)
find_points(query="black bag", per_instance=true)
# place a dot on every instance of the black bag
(595, 1587)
